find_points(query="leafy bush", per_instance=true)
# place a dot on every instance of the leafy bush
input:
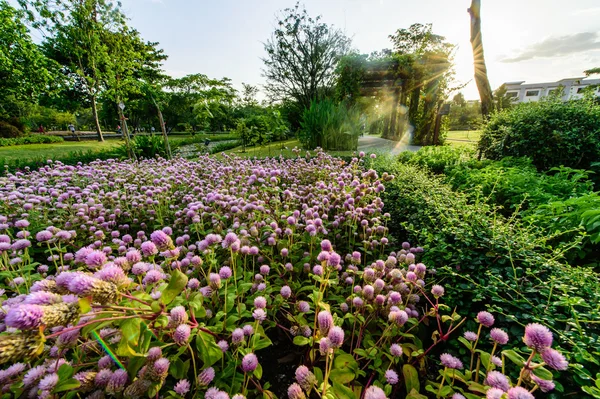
(497, 262)
(72, 158)
(550, 132)
(330, 126)
(144, 146)
(221, 147)
(554, 202)
(9, 131)
(254, 293)
(30, 139)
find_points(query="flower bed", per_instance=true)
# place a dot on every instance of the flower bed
(232, 278)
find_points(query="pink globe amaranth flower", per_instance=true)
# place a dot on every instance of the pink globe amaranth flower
(225, 272)
(48, 382)
(334, 259)
(178, 315)
(260, 302)
(323, 256)
(303, 306)
(133, 256)
(470, 336)
(305, 378)
(396, 350)
(249, 363)
(325, 322)
(103, 378)
(206, 376)
(391, 377)
(458, 396)
(24, 317)
(496, 361)
(259, 314)
(499, 336)
(374, 392)
(437, 291)
(519, 393)
(193, 284)
(496, 379)
(230, 238)
(182, 334)
(494, 393)
(214, 281)
(43, 236)
(223, 345)
(237, 336)
(117, 381)
(148, 248)
(182, 387)
(336, 336)
(154, 353)
(95, 259)
(400, 317)
(450, 361)
(554, 359)
(295, 392)
(34, 375)
(485, 318)
(537, 337)
(286, 291)
(264, 270)
(545, 385)
(161, 240)
(324, 346)
(161, 366)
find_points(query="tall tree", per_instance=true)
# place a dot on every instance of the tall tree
(302, 56)
(25, 72)
(481, 78)
(81, 41)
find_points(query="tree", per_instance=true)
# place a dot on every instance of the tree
(25, 72)
(481, 78)
(428, 63)
(249, 93)
(83, 41)
(302, 56)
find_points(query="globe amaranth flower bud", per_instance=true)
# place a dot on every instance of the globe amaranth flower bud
(496, 379)
(554, 359)
(499, 336)
(117, 382)
(336, 336)
(305, 378)
(178, 315)
(182, 387)
(374, 392)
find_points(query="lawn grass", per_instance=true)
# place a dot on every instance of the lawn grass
(463, 137)
(35, 151)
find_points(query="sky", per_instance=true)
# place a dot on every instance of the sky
(524, 40)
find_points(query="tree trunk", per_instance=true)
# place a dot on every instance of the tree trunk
(394, 115)
(413, 108)
(163, 129)
(125, 130)
(481, 78)
(96, 121)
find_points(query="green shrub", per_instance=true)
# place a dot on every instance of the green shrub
(498, 263)
(224, 147)
(145, 147)
(9, 131)
(72, 158)
(330, 126)
(30, 139)
(550, 132)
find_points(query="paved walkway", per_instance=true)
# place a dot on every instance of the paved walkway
(374, 143)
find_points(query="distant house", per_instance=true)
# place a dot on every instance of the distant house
(572, 89)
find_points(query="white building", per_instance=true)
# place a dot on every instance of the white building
(572, 89)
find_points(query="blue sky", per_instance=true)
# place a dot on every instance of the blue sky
(532, 40)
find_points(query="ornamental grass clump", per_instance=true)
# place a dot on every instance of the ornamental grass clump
(226, 279)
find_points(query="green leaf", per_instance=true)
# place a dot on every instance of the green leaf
(177, 284)
(301, 341)
(65, 372)
(342, 375)
(66, 385)
(543, 373)
(258, 371)
(343, 392)
(345, 360)
(411, 378)
(514, 357)
(208, 350)
(415, 395)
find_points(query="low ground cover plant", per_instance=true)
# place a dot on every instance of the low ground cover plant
(236, 279)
